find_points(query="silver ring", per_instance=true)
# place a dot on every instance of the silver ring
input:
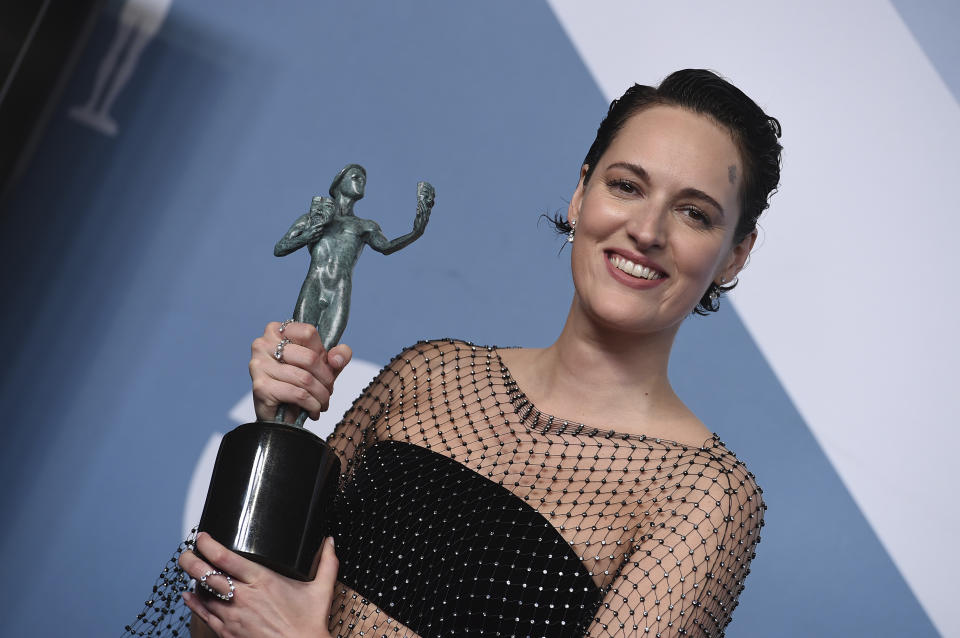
(216, 572)
(278, 353)
(284, 324)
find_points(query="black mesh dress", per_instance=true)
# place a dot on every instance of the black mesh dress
(463, 510)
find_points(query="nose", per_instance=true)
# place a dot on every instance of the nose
(647, 226)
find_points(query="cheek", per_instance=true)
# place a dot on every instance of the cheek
(700, 257)
(597, 225)
(585, 263)
(578, 258)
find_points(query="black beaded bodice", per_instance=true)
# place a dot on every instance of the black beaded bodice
(465, 510)
(447, 552)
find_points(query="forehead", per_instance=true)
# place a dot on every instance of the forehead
(674, 143)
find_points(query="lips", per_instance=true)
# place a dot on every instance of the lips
(646, 271)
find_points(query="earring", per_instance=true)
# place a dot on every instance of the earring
(573, 228)
(714, 294)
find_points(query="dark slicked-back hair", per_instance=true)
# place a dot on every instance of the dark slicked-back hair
(755, 134)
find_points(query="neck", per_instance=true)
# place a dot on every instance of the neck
(344, 204)
(592, 370)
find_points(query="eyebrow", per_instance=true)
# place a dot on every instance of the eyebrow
(696, 193)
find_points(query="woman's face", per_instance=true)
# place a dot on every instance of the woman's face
(655, 222)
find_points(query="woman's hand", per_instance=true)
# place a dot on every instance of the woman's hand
(264, 603)
(303, 377)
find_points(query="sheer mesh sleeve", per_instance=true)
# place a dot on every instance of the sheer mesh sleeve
(687, 572)
(358, 428)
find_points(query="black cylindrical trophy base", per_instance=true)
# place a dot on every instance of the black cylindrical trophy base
(271, 494)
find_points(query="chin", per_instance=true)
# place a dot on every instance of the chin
(621, 321)
(628, 317)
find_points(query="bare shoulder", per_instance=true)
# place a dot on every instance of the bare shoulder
(519, 360)
(685, 427)
(735, 488)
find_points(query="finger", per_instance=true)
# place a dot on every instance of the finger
(221, 558)
(192, 564)
(205, 614)
(326, 579)
(302, 371)
(315, 363)
(301, 333)
(210, 581)
(329, 564)
(310, 361)
(302, 346)
(315, 565)
(287, 384)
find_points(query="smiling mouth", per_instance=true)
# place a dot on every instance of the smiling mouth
(634, 270)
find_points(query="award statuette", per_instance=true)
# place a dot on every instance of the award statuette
(273, 483)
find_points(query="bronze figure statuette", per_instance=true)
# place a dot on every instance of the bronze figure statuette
(273, 483)
(336, 237)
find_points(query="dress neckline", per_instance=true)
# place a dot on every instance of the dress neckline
(536, 420)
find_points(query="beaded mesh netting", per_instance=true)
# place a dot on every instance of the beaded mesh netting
(464, 509)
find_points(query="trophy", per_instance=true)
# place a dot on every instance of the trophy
(273, 483)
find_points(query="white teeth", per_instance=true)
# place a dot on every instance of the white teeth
(635, 270)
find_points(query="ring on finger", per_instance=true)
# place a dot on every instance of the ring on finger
(278, 353)
(216, 572)
(284, 324)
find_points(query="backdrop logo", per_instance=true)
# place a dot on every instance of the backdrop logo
(138, 23)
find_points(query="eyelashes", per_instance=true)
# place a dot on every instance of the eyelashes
(698, 216)
(625, 187)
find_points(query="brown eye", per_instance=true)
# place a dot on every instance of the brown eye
(623, 186)
(697, 215)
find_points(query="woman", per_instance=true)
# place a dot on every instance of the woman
(556, 491)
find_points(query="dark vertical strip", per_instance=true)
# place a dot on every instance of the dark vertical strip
(43, 40)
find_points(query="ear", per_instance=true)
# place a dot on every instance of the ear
(737, 257)
(573, 208)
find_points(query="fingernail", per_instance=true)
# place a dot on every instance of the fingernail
(330, 540)
(338, 360)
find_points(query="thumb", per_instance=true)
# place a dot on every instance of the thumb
(339, 356)
(326, 578)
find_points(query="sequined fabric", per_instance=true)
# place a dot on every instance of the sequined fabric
(448, 552)
(164, 612)
(664, 531)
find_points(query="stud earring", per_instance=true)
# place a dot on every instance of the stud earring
(573, 228)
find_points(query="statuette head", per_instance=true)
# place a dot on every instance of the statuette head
(350, 181)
